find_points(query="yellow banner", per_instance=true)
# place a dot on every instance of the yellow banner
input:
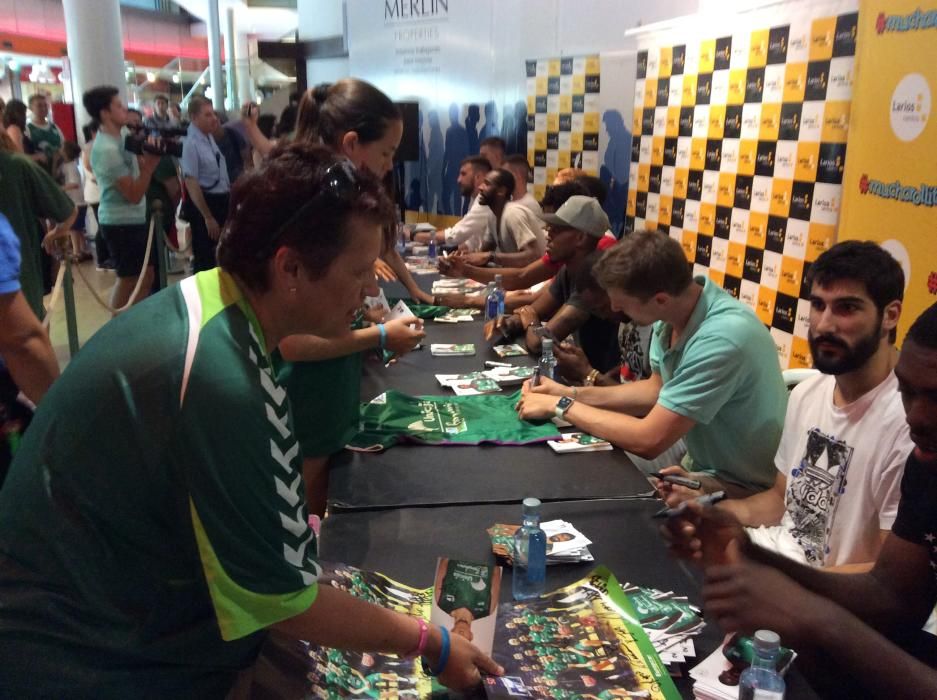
(890, 181)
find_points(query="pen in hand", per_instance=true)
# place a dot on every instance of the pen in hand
(678, 480)
(708, 499)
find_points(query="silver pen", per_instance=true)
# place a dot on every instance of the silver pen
(708, 499)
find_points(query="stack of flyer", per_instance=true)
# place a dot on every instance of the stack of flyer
(457, 316)
(488, 382)
(717, 676)
(565, 544)
(669, 621)
(579, 442)
(452, 349)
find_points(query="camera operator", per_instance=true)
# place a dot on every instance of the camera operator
(123, 179)
(206, 183)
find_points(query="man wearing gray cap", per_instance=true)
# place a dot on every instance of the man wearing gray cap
(573, 232)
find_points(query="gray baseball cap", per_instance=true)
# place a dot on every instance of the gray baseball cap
(581, 213)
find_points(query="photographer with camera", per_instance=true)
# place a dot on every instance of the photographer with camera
(206, 183)
(123, 178)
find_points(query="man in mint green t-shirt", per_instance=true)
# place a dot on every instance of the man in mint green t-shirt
(716, 381)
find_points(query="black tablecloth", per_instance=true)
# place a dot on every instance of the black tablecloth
(410, 475)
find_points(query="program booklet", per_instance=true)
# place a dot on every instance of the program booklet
(513, 350)
(579, 442)
(452, 349)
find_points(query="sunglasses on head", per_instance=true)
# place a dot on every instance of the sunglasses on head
(339, 186)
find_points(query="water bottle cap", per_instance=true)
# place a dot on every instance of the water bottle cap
(498, 279)
(547, 344)
(531, 505)
(766, 640)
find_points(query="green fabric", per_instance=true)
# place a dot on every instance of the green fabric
(724, 375)
(28, 194)
(110, 161)
(325, 400)
(155, 511)
(466, 586)
(460, 420)
(425, 311)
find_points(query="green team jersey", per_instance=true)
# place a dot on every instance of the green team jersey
(153, 521)
(463, 420)
(466, 586)
(47, 140)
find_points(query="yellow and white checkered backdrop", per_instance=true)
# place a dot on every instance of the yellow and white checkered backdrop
(738, 150)
(563, 117)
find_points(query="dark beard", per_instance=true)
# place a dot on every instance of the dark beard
(852, 358)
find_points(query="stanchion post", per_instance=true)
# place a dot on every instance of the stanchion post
(71, 319)
(159, 245)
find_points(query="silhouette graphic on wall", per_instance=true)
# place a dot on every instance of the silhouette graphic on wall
(491, 122)
(472, 117)
(615, 168)
(456, 150)
(435, 154)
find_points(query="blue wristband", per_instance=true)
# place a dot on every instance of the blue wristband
(382, 344)
(443, 655)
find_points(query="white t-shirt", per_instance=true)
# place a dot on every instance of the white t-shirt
(518, 227)
(72, 182)
(843, 468)
(529, 201)
(472, 229)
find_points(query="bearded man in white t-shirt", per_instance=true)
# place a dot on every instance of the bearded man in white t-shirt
(845, 439)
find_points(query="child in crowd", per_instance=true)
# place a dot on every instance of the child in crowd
(70, 176)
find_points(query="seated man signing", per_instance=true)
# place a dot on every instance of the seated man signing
(518, 239)
(845, 440)
(715, 379)
(857, 635)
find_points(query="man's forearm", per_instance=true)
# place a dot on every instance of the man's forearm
(765, 508)
(198, 199)
(521, 258)
(635, 398)
(627, 432)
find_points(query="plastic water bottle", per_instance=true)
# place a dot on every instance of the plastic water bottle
(431, 248)
(530, 554)
(401, 239)
(761, 680)
(547, 365)
(494, 303)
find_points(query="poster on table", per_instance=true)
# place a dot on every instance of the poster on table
(739, 149)
(890, 183)
(580, 641)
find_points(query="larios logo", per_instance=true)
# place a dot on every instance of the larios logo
(415, 10)
(906, 23)
(923, 195)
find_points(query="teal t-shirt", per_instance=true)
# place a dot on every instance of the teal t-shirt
(724, 374)
(149, 560)
(110, 161)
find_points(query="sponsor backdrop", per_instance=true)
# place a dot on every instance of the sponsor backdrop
(890, 183)
(739, 151)
(563, 116)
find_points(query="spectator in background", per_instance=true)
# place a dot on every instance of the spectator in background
(27, 195)
(123, 179)
(14, 123)
(234, 147)
(161, 117)
(206, 181)
(492, 149)
(70, 175)
(176, 111)
(45, 136)
(102, 254)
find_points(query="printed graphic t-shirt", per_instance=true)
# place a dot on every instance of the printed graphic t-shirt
(843, 467)
(153, 521)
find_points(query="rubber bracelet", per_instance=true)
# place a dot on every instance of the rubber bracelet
(421, 645)
(383, 341)
(443, 655)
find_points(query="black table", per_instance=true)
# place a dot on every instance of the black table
(404, 543)
(413, 475)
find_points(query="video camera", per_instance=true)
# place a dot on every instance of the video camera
(167, 141)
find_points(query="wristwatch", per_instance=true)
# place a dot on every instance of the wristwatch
(562, 406)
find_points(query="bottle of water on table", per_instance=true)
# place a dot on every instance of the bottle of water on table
(431, 248)
(494, 304)
(761, 680)
(547, 367)
(530, 554)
